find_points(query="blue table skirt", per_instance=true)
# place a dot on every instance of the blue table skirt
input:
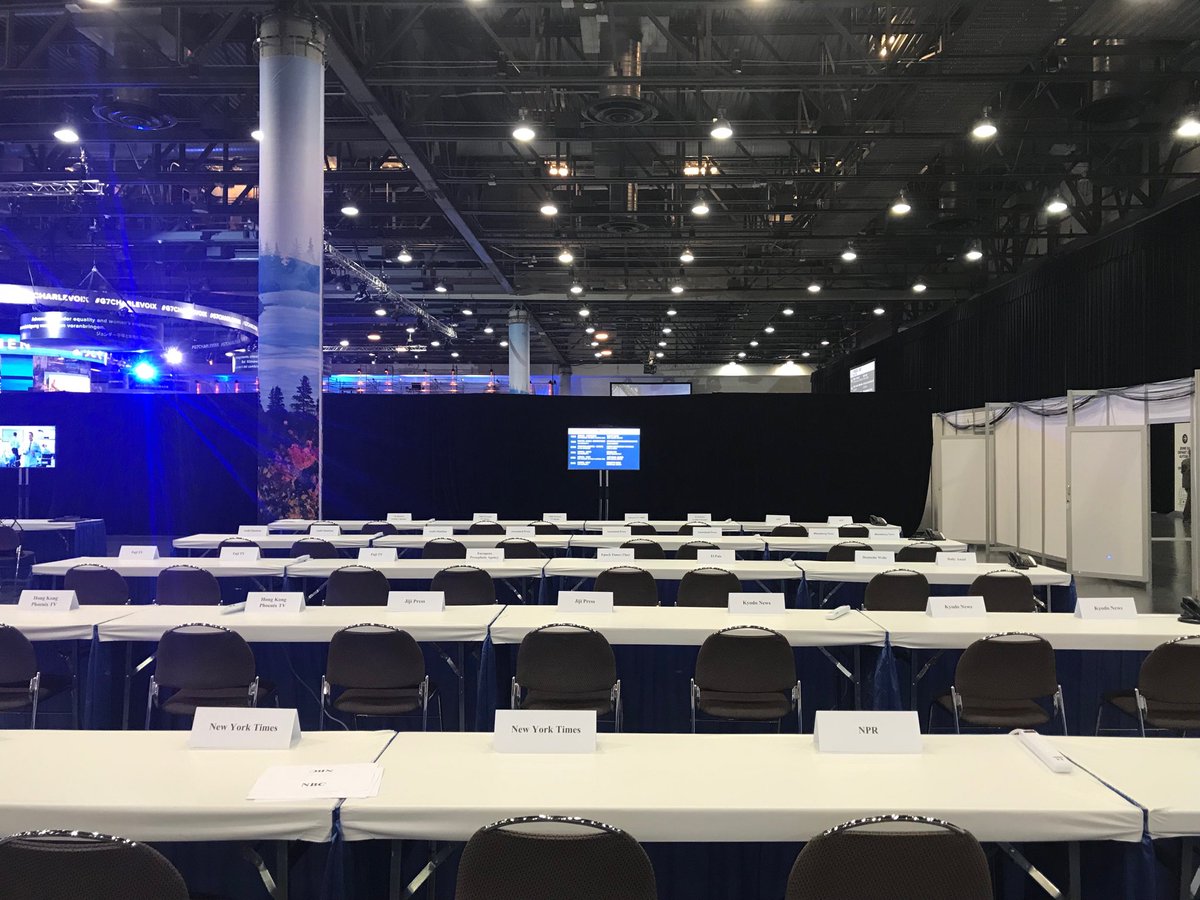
(88, 539)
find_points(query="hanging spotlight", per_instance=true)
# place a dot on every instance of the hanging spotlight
(984, 129)
(849, 254)
(806, 354)
(549, 207)
(565, 256)
(380, 311)
(349, 208)
(672, 311)
(741, 354)
(824, 343)
(691, 168)
(589, 330)
(404, 256)
(770, 329)
(440, 287)
(1189, 126)
(666, 330)
(754, 343)
(919, 286)
(901, 206)
(700, 206)
(879, 310)
(974, 251)
(410, 330)
(721, 129)
(66, 133)
(662, 343)
(489, 330)
(257, 134)
(659, 355)
(504, 343)
(687, 256)
(468, 312)
(1056, 206)
(677, 288)
(524, 131)
(788, 311)
(584, 312)
(576, 288)
(814, 287)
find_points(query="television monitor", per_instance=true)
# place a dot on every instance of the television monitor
(604, 448)
(28, 446)
(862, 378)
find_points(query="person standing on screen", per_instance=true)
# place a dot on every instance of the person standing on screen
(33, 453)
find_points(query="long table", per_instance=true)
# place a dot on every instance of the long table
(823, 545)
(56, 538)
(741, 543)
(68, 625)
(420, 569)
(269, 542)
(484, 541)
(149, 568)
(955, 573)
(675, 569)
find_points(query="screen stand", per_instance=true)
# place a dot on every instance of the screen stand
(22, 493)
(603, 511)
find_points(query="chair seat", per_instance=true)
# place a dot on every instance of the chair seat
(599, 701)
(378, 701)
(16, 696)
(1159, 713)
(754, 707)
(998, 713)
(185, 702)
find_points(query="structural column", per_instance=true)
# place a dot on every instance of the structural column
(518, 351)
(291, 219)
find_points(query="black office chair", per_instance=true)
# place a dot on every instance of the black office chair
(16, 563)
(203, 665)
(1005, 591)
(236, 542)
(314, 548)
(921, 551)
(520, 548)
(375, 670)
(465, 586)
(485, 528)
(60, 865)
(844, 552)
(746, 673)
(644, 548)
(95, 585)
(629, 585)
(444, 548)
(563, 666)
(790, 529)
(22, 684)
(545, 528)
(356, 586)
(552, 858)
(187, 586)
(708, 586)
(1167, 695)
(897, 590)
(642, 528)
(899, 857)
(691, 550)
(380, 527)
(853, 531)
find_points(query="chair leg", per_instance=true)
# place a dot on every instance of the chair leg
(35, 688)
(693, 702)
(1062, 709)
(954, 706)
(1099, 714)
(151, 695)
(425, 704)
(324, 695)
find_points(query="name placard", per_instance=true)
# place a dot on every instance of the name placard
(707, 531)
(137, 551)
(244, 729)
(586, 601)
(874, 556)
(325, 530)
(484, 517)
(948, 558)
(637, 517)
(345, 781)
(438, 531)
(557, 518)
(377, 554)
(416, 601)
(1105, 608)
(955, 607)
(883, 531)
(253, 531)
(777, 520)
(538, 731)
(48, 601)
(755, 602)
(616, 531)
(525, 531)
(616, 554)
(398, 518)
(838, 521)
(844, 731)
(240, 554)
(824, 534)
(699, 517)
(716, 556)
(485, 554)
(275, 602)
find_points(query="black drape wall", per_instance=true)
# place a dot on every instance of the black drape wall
(1119, 311)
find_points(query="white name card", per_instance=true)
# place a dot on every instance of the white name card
(240, 554)
(777, 520)
(438, 531)
(484, 517)
(616, 531)
(824, 534)
(253, 531)
(874, 556)
(377, 554)
(538, 731)
(557, 518)
(707, 531)
(244, 729)
(325, 530)
(616, 554)
(716, 556)
(346, 781)
(275, 602)
(48, 601)
(883, 531)
(955, 607)
(947, 558)
(839, 731)
(699, 517)
(756, 602)
(637, 517)
(838, 521)
(586, 601)
(133, 551)
(1105, 608)
(398, 518)
(416, 601)
(525, 531)
(485, 554)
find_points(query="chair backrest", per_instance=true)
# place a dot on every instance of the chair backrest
(1008, 666)
(95, 584)
(465, 586)
(691, 550)
(690, 527)
(520, 548)
(566, 659)
(540, 527)
(356, 586)
(853, 531)
(18, 662)
(897, 589)
(707, 587)
(746, 659)
(898, 857)
(921, 551)
(444, 548)
(644, 548)
(789, 529)
(485, 528)
(380, 527)
(844, 552)
(374, 656)
(51, 864)
(187, 586)
(643, 528)
(236, 542)
(1005, 591)
(630, 586)
(1171, 672)
(552, 857)
(314, 548)
(201, 657)
(11, 536)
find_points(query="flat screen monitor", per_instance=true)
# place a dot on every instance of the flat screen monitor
(604, 448)
(28, 446)
(862, 378)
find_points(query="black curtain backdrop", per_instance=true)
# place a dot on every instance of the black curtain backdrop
(738, 455)
(1123, 310)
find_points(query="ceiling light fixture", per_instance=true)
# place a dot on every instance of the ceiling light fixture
(343, 343)
(374, 336)
(380, 311)
(770, 329)
(454, 354)
(849, 254)
(741, 354)
(919, 286)
(666, 331)
(721, 129)
(549, 208)
(901, 206)
(984, 129)
(468, 312)
(440, 287)
(349, 208)
(589, 330)
(806, 354)
(754, 343)
(974, 252)
(602, 335)
(504, 343)
(662, 343)
(677, 288)
(788, 311)
(659, 355)
(66, 134)
(584, 312)
(700, 206)
(824, 343)
(565, 256)
(523, 131)
(1189, 126)
(435, 343)
(404, 256)
(576, 288)
(257, 134)
(1056, 206)
(814, 287)
(672, 311)
(489, 330)
(879, 310)
(687, 256)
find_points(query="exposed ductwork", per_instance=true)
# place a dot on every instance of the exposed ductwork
(622, 104)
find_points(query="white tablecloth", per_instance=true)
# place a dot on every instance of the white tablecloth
(270, 542)
(420, 568)
(674, 569)
(148, 786)
(667, 787)
(416, 541)
(965, 573)
(763, 528)
(464, 524)
(346, 524)
(740, 543)
(42, 524)
(70, 625)
(822, 545)
(149, 568)
(687, 626)
(662, 526)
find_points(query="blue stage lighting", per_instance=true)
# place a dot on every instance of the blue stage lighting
(144, 371)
